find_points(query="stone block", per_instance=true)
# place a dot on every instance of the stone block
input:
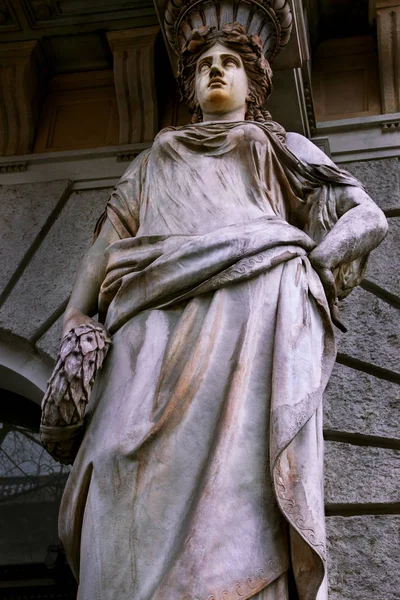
(384, 262)
(24, 210)
(48, 279)
(355, 402)
(50, 342)
(381, 179)
(363, 558)
(361, 474)
(373, 330)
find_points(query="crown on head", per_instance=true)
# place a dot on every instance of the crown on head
(270, 20)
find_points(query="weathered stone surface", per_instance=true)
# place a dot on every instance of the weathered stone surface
(24, 210)
(373, 330)
(50, 342)
(356, 402)
(363, 558)
(384, 262)
(361, 474)
(381, 179)
(48, 279)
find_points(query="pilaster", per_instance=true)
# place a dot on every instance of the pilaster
(134, 81)
(22, 80)
(388, 26)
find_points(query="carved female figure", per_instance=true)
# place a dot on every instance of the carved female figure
(216, 270)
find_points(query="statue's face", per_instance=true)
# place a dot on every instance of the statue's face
(221, 81)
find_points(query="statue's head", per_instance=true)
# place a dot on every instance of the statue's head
(221, 71)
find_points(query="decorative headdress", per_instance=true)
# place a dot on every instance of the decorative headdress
(270, 20)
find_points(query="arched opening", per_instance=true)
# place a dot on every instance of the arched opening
(31, 485)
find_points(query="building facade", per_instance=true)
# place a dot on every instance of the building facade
(84, 87)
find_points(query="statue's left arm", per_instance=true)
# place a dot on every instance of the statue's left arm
(361, 225)
(360, 228)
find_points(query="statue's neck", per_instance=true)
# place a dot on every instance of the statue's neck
(233, 115)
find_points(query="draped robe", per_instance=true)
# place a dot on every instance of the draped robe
(200, 472)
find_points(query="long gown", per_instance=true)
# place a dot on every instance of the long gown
(200, 473)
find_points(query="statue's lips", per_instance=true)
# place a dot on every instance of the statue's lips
(217, 81)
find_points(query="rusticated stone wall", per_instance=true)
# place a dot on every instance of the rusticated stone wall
(362, 425)
(47, 229)
(44, 231)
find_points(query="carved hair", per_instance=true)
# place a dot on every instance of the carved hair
(258, 70)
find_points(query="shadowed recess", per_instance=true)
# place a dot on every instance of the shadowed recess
(356, 510)
(392, 212)
(371, 369)
(360, 439)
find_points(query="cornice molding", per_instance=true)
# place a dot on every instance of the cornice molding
(89, 168)
(126, 156)
(15, 167)
(361, 138)
(391, 126)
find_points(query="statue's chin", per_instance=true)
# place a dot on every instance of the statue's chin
(218, 101)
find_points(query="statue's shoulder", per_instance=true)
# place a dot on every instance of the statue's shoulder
(305, 150)
(136, 164)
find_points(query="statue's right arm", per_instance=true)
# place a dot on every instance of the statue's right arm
(84, 297)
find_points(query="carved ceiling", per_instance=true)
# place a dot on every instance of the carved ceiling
(72, 33)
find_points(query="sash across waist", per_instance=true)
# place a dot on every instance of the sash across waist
(158, 271)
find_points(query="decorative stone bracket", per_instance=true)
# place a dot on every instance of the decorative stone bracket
(22, 77)
(134, 83)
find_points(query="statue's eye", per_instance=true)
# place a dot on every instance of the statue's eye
(204, 67)
(230, 62)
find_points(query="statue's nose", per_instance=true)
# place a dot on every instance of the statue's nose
(216, 71)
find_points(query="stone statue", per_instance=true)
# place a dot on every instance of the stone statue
(216, 270)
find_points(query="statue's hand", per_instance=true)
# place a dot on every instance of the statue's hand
(74, 318)
(329, 285)
(82, 353)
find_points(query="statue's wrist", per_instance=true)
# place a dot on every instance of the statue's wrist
(74, 318)
(320, 260)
